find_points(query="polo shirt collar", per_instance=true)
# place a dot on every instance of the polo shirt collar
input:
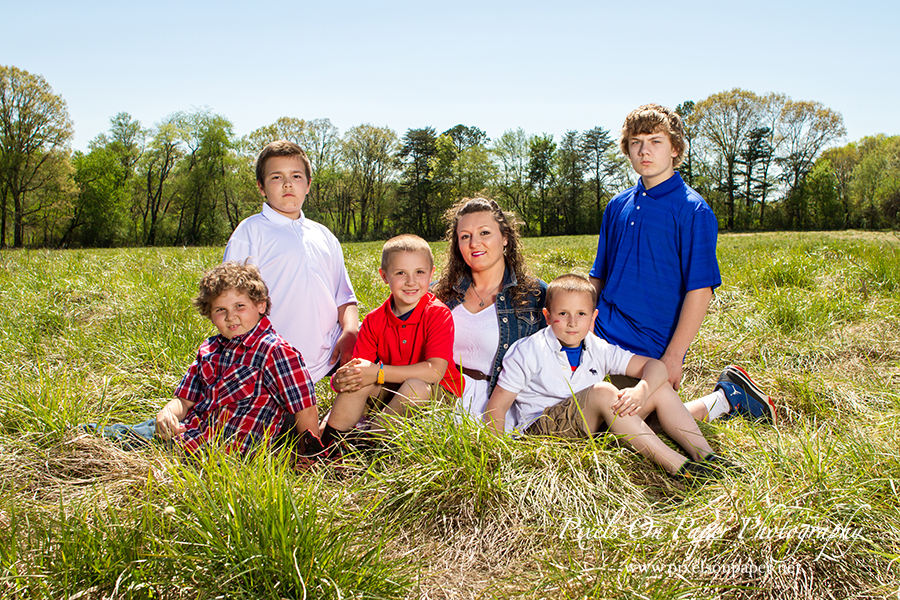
(552, 340)
(416, 315)
(278, 218)
(666, 187)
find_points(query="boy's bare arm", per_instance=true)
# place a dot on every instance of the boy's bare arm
(348, 317)
(168, 420)
(497, 406)
(693, 311)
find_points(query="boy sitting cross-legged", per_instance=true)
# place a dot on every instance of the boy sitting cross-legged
(247, 384)
(555, 379)
(404, 347)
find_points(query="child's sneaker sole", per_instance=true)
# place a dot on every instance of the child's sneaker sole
(763, 404)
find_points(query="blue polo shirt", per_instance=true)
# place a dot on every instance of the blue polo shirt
(655, 246)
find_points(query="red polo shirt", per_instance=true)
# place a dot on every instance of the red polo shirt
(426, 333)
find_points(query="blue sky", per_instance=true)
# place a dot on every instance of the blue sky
(544, 66)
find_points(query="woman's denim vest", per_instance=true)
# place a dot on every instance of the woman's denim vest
(515, 322)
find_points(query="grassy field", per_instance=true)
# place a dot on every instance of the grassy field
(445, 510)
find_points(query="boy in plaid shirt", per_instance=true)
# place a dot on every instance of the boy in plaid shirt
(247, 384)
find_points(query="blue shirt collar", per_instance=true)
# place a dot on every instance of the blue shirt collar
(661, 189)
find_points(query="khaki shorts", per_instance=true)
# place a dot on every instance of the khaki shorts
(377, 403)
(564, 420)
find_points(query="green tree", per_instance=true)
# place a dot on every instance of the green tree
(209, 139)
(595, 148)
(99, 212)
(322, 144)
(541, 153)
(156, 168)
(805, 129)
(34, 128)
(685, 110)
(756, 153)
(369, 154)
(874, 184)
(843, 160)
(570, 166)
(511, 153)
(725, 121)
(465, 137)
(418, 148)
(821, 188)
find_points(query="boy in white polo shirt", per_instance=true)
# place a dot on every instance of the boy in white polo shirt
(314, 307)
(555, 380)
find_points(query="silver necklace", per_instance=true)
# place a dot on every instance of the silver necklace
(481, 304)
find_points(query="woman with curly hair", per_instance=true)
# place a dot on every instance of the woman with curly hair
(493, 299)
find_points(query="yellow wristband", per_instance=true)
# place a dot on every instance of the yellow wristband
(380, 379)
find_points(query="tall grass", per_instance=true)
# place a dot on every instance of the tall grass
(442, 509)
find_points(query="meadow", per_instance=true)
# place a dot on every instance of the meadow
(445, 510)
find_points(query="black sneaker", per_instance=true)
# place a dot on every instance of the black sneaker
(315, 453)
(719, 463)
(745, 397)
(697, 472)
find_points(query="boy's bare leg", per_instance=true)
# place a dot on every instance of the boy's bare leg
(349, 407)
(677, 421)
(632, 428)
(697, 410)
(411, 394)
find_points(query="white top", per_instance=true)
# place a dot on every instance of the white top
(302, 264)
(474, 347)
(537, 369)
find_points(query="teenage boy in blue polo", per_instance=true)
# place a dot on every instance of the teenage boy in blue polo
(656, 266)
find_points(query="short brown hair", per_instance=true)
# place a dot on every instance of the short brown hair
(654, 118)
(570, 282)
(404, 243)
(281, 148)
(245, 279)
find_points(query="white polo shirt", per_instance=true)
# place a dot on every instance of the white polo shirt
(303, 265)
(537, 370)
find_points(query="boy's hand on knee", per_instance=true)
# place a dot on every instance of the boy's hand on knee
(349, 377)
(629, 401)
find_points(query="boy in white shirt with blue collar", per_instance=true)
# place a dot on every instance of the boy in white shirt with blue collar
(555, 378)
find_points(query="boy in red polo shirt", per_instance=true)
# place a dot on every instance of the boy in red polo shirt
(404, 347)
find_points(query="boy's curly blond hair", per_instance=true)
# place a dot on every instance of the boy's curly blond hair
(244, 278)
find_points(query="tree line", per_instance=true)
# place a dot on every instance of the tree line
(762, 162)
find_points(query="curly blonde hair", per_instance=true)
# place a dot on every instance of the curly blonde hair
(243, 278)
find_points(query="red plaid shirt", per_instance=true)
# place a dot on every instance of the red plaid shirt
(243, 389)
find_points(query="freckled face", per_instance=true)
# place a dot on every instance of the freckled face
(480, 241)
(571, 316)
